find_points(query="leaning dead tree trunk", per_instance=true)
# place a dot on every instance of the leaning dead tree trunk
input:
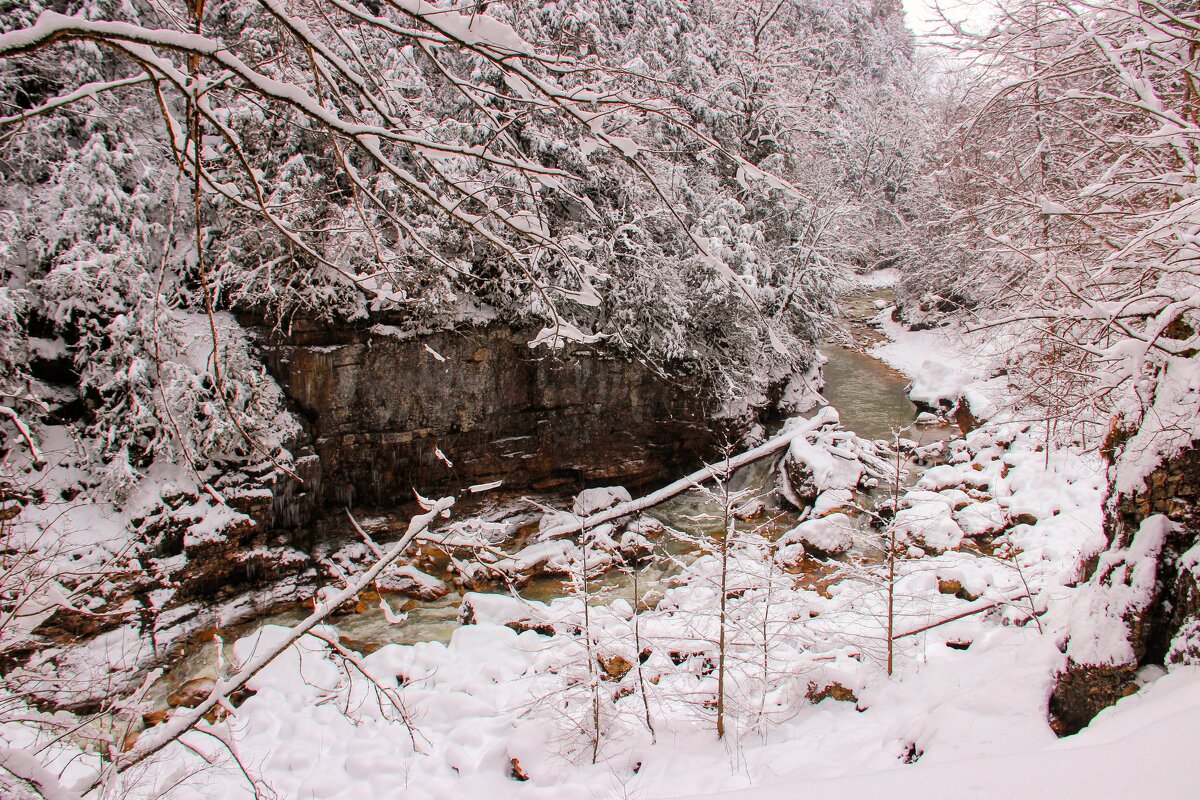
(727, 467)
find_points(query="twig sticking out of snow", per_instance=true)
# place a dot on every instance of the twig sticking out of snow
(977, 609)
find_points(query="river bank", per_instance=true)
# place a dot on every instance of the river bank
(612, 685)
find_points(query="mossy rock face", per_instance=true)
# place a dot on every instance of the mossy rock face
(1166, 628)
(1082, 691)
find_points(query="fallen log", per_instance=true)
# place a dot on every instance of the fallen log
(826, 416)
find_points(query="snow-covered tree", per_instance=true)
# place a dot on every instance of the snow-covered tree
(1071, 185)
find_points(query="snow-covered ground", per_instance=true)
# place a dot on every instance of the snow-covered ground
(1139, 748)
(596, 701)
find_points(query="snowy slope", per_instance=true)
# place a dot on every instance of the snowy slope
(1142, 747)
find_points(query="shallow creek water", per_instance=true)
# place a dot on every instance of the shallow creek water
(870, 397)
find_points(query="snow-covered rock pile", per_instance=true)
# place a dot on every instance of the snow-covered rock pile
(597, 549)
(831, 535)
(991, 484)
(831, 459)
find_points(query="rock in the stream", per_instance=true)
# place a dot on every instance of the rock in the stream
(832, 534)
(937, 386)
(411, 582)
(593, 501)
(798, 482)
(833, 500)
(520, 615)
(192, 693)
(790, 555)
(634, 546)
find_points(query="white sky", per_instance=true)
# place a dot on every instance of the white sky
(922, 19)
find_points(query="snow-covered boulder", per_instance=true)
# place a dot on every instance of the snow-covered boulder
(981, 519)
(809, 469)
(832, 534)
(634, 546)
(833, 500)
(929, 524)
(957, 498)
(592, 501)
(941, 477)
(938, 386)
(410, 581)
(480, 608)
(790, 555)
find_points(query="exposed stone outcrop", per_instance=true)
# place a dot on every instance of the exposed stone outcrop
(380, 405)
(1149, 577)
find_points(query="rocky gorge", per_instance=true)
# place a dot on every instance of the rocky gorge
(386, 412)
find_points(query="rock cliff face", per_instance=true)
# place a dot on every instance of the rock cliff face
(1163, 624)
(381, 405)
(1174, 491)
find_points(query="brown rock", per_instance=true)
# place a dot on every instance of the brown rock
(529, 624)
(1082, 691)
(514, 770)
(614, 668)
(192, 693)
(964, 417)
(833, 690)
(155, 717)
(409, 586)
(949, 586)
(966, 594)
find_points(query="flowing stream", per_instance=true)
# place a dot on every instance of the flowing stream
(870, 397)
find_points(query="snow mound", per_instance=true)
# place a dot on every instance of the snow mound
(590, 501)
(831, 534)
(930, 524)
(981, 519)
(938, 385)
(940, 477)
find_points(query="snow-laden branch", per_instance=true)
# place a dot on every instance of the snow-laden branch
(29, 771)
(85, 92)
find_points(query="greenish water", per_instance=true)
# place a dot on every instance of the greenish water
(870, 396)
